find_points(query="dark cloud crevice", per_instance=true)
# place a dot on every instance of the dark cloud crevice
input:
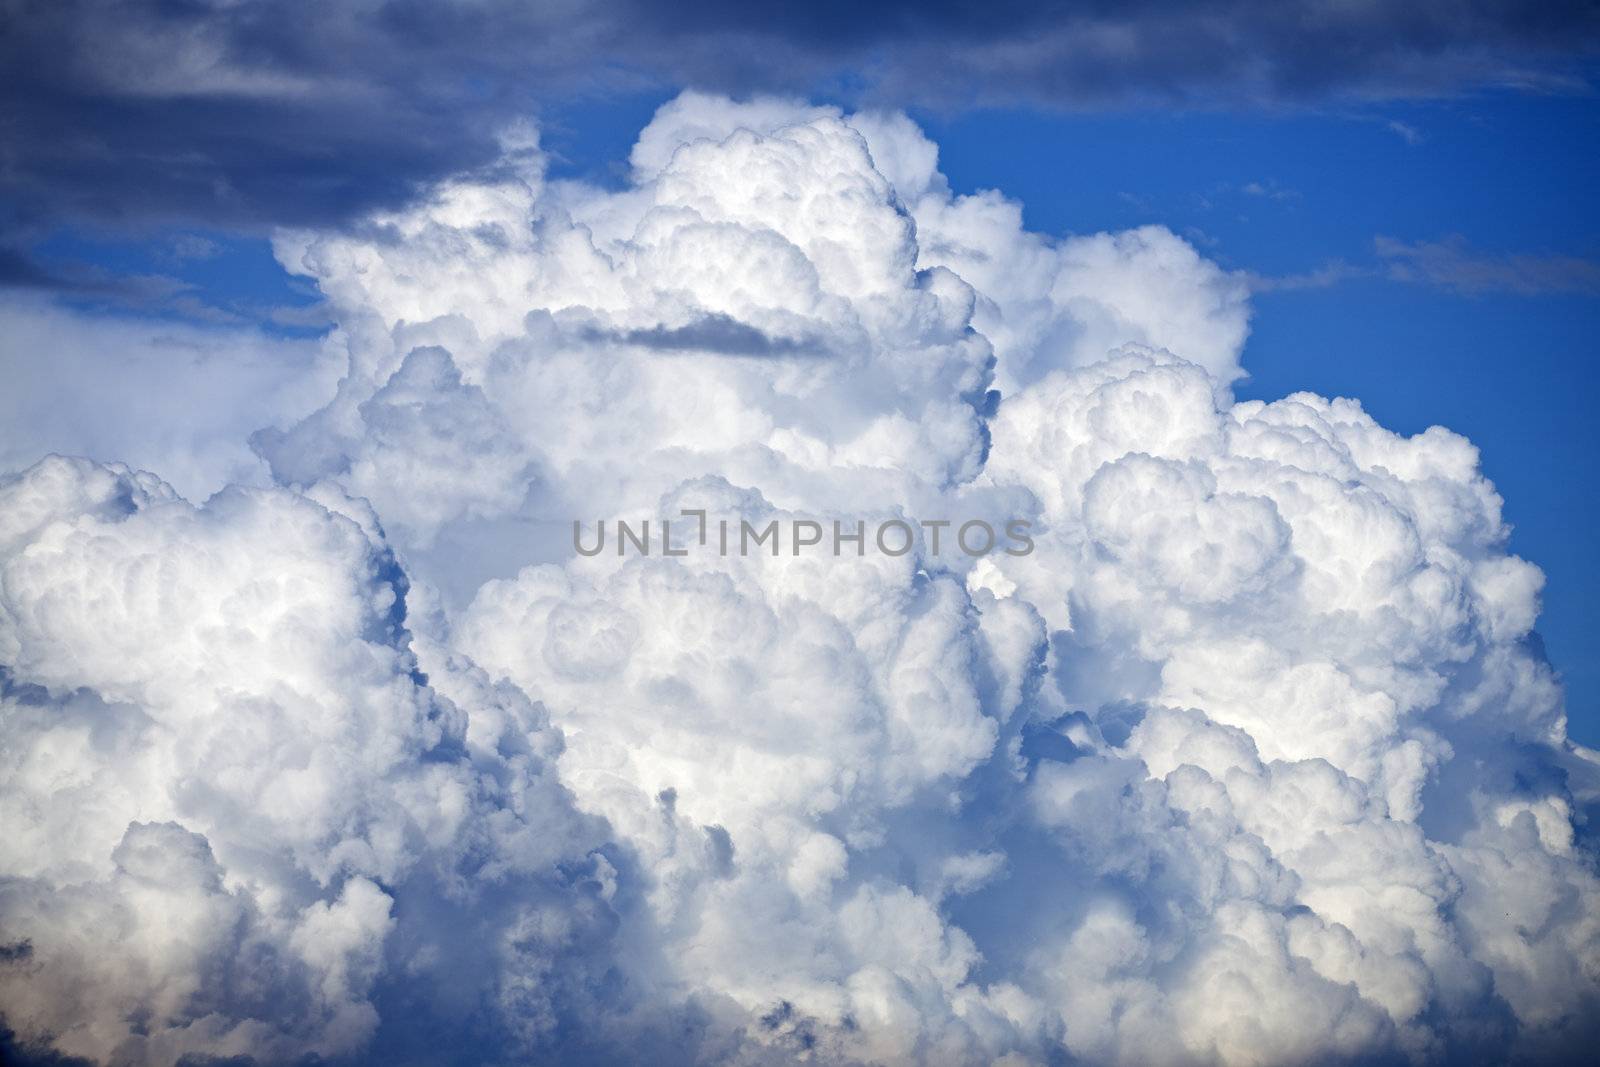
(715, 333)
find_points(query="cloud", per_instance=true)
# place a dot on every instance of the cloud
(1269, 190)
(18, 270)
(193, 247)
(250, 807)
(167, 396)
(1450, 264)
(260, 113)
(1333, 272)
(84, 285)
(1405, 131)
(1254, 759)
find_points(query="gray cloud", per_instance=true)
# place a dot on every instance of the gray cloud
(1451, 264)
(268, 112)
(711, 333)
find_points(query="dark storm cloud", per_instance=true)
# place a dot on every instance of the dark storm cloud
(263, 111)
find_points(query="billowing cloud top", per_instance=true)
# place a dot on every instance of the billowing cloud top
(1254, 759)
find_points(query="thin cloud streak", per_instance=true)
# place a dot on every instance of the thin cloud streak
(1452, 265)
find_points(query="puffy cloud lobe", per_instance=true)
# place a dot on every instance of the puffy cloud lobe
(1041, 302)
(738, 332)
(1363, 658)
(764, 303)
(224, 767)
(161, 938)
(1252, 760)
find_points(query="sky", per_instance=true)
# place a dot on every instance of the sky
(1391, 272)
(1274, 324)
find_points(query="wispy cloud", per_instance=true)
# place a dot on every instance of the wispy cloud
(192, 247)
(1449, 264)
(94, 288)
(1407, 132)
(1269, 190)
(1331, 273)
(1453, 265)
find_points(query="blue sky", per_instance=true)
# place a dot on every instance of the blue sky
(1437, 260)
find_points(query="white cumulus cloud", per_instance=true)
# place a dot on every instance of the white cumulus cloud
(1252, 760)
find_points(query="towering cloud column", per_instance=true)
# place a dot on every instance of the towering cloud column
(1253, 759)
